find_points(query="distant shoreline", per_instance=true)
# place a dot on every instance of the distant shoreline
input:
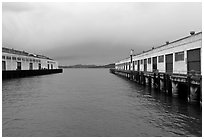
(88, 66)
(84, 67)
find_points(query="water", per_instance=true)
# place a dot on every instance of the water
(92, 102)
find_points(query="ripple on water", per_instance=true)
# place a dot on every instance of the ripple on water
(92, 102)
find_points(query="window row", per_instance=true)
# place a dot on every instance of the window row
(20, 58)
(179, 56)
(19, 66)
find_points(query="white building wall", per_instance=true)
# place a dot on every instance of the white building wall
(142, 66)
(149, 66)
(44, 64)
(25, 65)
(188, 43)
(135, 66)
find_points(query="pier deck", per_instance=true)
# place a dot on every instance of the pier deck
(24, 73)
(186, 85)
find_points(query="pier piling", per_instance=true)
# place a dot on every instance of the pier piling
(172, 85)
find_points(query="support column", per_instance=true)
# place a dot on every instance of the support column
(149, 81)
(165, 83)
(158, 82)
(189, 88)
(169, 85)
(154, 80)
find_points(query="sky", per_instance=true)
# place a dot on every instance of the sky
(95, 33)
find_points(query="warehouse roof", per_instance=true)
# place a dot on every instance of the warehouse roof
(13, 51)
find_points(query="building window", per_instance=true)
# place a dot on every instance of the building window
(48, 66)
(13, 58)
(18, 58)
(3, 57)
(8, 57)
(141, 61)
(149, 60)
(3, 65)
(18, 66)
(30, 66)
(31, 60)
(23, 59)
(51, 66)
(179, 56)
(161, 59)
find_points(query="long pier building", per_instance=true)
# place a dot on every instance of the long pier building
(17, 63)
(174, 67)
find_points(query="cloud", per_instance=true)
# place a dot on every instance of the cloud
(16, 7)
(95, 31)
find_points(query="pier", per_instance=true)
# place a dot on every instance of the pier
(25, 73)
(16, 63)
(173, 68)
(187, 87)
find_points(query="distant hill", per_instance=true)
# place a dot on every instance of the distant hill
(89, 66)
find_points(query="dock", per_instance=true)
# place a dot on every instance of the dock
(25, 73)
(187, 87)
(173, 68)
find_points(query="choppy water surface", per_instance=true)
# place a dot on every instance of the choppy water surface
(92, 102)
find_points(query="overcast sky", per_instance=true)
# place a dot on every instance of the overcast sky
(95, 33)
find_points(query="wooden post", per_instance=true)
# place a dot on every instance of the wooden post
(131, 75)
(144, 80)
(189, 88)
(169, 85)
(154, 80)
(200, 99)
(165, 82)
(139, 78)
(149, 81)
(134, 76)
